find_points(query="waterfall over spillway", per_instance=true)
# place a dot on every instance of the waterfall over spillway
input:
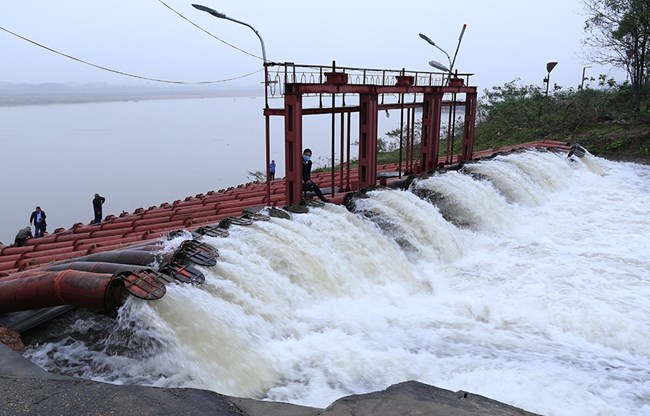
(524, 278)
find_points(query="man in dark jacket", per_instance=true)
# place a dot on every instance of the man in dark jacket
(98, 201)
(307, 183)
(38, 219)
(23, 235)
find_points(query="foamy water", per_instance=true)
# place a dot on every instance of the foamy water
(524, 279)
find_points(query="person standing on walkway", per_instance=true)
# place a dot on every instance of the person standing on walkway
(38, 219)
(23, 235)
(98, 201)
(272, 170)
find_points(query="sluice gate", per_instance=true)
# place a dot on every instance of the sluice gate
(342, 92)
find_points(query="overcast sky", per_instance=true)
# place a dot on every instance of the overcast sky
(504, 40)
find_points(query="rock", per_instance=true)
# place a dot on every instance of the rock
(26, 389)
(415, 398)
(11, 339)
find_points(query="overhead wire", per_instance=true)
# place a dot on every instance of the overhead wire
(126, 73)
(214, 36)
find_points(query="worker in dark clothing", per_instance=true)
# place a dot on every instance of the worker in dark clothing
(38, 219)
(272, 170)
(23, 235)
(307, 183)
(98, 201)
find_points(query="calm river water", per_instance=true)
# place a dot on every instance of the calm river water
(135, 153)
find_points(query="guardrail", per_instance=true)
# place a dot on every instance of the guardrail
(280, 74)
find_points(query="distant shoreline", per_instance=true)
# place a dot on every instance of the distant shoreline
(27, 95)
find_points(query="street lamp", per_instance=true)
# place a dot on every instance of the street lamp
(223, 16)
(438, 65)
(451, 127)
(266, 92)
(582, 81)
(549, 68)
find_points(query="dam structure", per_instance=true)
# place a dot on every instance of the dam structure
(117, 254)
(505, 277)
(519, 273)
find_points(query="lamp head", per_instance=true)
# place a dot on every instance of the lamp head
(209, 10)
(550, 66)
(439, 66)
(426, 38)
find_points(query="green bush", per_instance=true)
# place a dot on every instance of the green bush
(515, 113)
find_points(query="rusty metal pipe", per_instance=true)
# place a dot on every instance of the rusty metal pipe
(50, 252)
(16, 250)
(97, 292)
(26, 263)
(135, 257)
(161, 225)
(196, 208)
(72, 236)
(7, 265)
(95, 267)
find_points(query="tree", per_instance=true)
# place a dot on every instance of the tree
(393, 137)
(619, 34)
(256, 176)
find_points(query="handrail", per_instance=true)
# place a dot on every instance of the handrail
(308, 74)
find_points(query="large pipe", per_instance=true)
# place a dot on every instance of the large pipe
(135, 257)
(73, 236)
(103, 293)
(95, 267)
(26, 263)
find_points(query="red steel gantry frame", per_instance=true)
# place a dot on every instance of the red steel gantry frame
(429, 91)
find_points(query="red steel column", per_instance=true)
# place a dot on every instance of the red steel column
(470, 123)
(293, 147)
(367, 140)
(430, 145)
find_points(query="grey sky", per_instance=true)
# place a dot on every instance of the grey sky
(505, 39)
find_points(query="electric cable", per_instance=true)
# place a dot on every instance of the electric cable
(214, 36)
(125, 73)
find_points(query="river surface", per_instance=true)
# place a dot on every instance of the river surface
(524, 278)
(136, 154)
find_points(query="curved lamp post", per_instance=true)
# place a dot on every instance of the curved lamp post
(223, 16)
(438, 65)
(435, 64)
(266, 96)
(451, 127)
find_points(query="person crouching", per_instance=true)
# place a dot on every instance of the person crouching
(23, 235)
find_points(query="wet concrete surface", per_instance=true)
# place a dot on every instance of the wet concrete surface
(26, 389)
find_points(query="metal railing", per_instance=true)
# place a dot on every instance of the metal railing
(280, 74)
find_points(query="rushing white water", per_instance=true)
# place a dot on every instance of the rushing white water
(525, 278)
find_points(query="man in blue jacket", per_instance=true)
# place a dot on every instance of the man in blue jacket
(38, 219)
